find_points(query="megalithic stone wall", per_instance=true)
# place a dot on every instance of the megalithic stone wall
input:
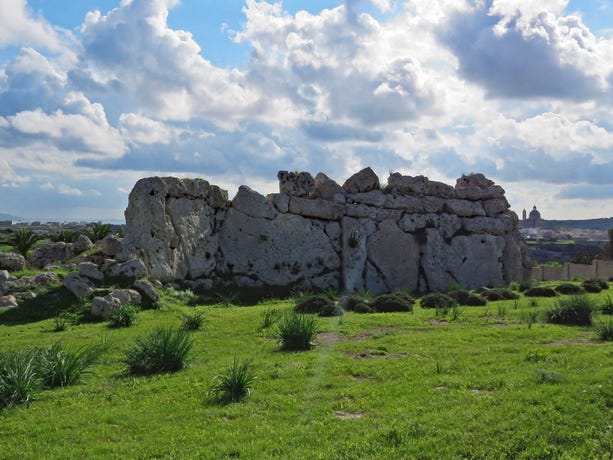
(415, 233)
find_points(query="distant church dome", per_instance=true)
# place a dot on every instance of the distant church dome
(534, 215)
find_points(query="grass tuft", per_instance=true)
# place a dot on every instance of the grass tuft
(296, 332)
(576, 310)
(124, 316)
(163, 350)
(604, 330)
(192, 321)
(18, 378)
(234, 384)
(59, 367)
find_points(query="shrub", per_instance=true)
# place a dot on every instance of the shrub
(575, 310)
(545, 376)
(348, 302)
(234, 384)
(192, 321)
(540, 291)
(312, 304)
(591, 286)
(499, 294)
(60, 323)
(331, 310)
(362, 307)
(464, 297)
(162, 350)
(67, 236)
(604, 330)
(58, 367)
(98, 231)
(437, 300)
(18, 378)
(296, 331)
(23, 240)
(520, 286)
(124, 316)
(569, 289)
(607, 307)
(396, 302)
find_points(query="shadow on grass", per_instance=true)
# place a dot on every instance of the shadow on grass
(55, 301)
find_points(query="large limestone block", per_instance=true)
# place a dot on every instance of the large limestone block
(79, 286)
(404, 203)
(110, 245)
(372, 198)
(355, 254)
(395, 255)
(51, 253)
(295, 184)
(414, 222)
(484, 225)
(360, 211)
(464, 208)
(319, 209)
(495, 206)
(439, 189)
(278, 252)
(327, 189)
(473, 180)
(469, 192)
(171, 227)
(433, 204)
(91, 271)
(279, 200)
(12, 261)
(82, 244)
(397, 183)
(253, 204)
(131, 269)
(362, 181)
(517, 266)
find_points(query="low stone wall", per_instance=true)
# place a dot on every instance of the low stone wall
(598, 269)
(414, 233)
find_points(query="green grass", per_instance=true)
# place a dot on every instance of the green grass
(377, 386)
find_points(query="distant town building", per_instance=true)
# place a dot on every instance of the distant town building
(533, 220)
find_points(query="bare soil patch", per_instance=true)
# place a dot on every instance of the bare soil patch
(367, 335)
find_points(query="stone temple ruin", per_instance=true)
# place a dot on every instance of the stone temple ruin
(414, 233)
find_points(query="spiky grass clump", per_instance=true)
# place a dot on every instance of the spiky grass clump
(575, 310)
(234, 384)
(59, 367)
(193, 321)
(163, 350)
(18, 378)
(269, 317)
(60, 323)
(124, 316)
(604, 330)
(607, 307)
(296, 332)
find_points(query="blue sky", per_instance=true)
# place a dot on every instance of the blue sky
(96, 94)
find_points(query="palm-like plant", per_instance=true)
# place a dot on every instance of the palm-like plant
(23, 240)
(98, 231)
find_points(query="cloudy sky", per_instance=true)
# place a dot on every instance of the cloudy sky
(96, 94)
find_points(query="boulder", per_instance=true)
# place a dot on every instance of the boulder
(296, 183)
(362, 181)
(253, 204)
(91, 271)
(464, 208)
(82, 244)
(280, 201)
(133, 269)
(473, 180)
(404, 202)
(469, 192)
(316, 208)
(147, 290)
(103, 306)
(110, 245)
(327, 189)
(397, 183)
(79, 286)
(495, 206)
(12, 261)
(127, 296)
(439, 189)
(8, 301)
(51, 253)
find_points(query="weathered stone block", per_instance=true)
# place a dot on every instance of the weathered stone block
(319, 209)
(253, 204)
(464, 208)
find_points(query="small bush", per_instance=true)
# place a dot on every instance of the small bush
(312, 304)
(575, 310)
(604, 330)
(192, 321)
(331, 310)
(362, 307)
(162, 350)
(58, 367)
(60, 323)
(389, 303)
(499, 294)
(437, 300)
(545, 376)
(595, 285)
(607, 307)
(569, 289)
(540, 291)
(348, 302)
(124, 316)
(464, 297)
(18, 378)
(296, 332)
(234, 384)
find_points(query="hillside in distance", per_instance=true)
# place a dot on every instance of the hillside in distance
(603, 224)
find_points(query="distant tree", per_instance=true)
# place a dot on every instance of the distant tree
(607, 251)
(23, 240)
(67, 236)
(98, 231)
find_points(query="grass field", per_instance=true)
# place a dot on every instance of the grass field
(488, 384)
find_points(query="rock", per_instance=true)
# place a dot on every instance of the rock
(433, 204)
(397, 183)
(8, 301)
(495, 206)
(82, 244)
(319, 209)
(28, 295)
(395, 255)
(361, 182)
(147, 290)
(473, 180)
(171, 226)
(469, 192)
(493, 191)
(253, 204)
(45, 280)
(360, 210)
(373, 198)
(334, 232)
(79, 286)
(4, 276)
(51, 253)
(133, 269)
(12, 261)
(110, 245)
(91, 271)
(355, 233)
(296, 184)
(103, 306)
(327, 189)
(440, 190)
(415, 222)
(464, 208)
(484, 225)
(201, 285)
(280, 201)
(404, 202)
(127, 296)
(449, 225)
